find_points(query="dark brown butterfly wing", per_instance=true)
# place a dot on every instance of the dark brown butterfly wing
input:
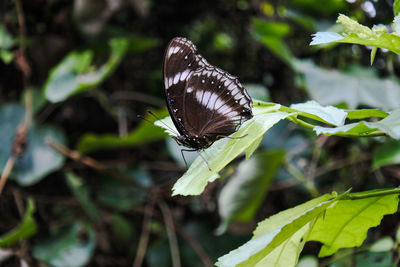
(180, 62)
(205, 102)
(216, 104)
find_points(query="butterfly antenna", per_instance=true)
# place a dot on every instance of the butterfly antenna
(157, 118)
(143, 118)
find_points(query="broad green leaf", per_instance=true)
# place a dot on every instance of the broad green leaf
(81, 193)
(384, 244)
(222, 41)
(320, 9)
(396, 7)
(359, 34)
(352, 26)
(71, 246)
(26, 229)
(388, 41)
(272, 34)
(346, 224)
(6, 56)
(308, 261)
(389, 125)
(144, 133)
(123, 195)
(242, 196)
(328, 114)
(75, 73)
(373, 259)
(359, 114)
(359, 87)
(253, 146)
(287, 254)
(222, 152)
(6, 40)
(387, 154)
(39, 158)
(275, 231)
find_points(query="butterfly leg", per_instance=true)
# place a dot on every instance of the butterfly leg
(205, 160)
(183, 156)
(200, 154)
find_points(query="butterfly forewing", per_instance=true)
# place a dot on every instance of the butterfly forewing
(179, 62)
(205, 102)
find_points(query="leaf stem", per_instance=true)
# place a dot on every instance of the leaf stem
(379, 193)
(299, 122)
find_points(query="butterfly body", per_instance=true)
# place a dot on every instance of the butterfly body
(205, 102)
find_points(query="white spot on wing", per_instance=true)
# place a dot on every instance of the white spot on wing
(176, 78)
(185, 74)
(231, 86)
(166, 82)
(211, 101)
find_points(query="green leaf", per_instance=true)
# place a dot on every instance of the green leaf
(287, 253)
(386, 154)
(6, 39)
(308, 261)
(81, 193)
(360, 86)
(6, 56)
(25, 230)
(74, 73)
(384, 244)
(359, 34)
(280, 229)
(72, 246)
(39, 158)
(242, 196)
(359, 114)
(146, 132)
(389, 125)
(373, 259)
(253, 146)
(222, 152)
(346, 224)
(352, 26)
(122, 196)
(272, 34)
(388, 41)
(328, 114)
(396, 7)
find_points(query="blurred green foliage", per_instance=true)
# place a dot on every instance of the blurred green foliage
(93, 184)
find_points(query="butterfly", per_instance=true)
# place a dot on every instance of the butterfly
(205, 102)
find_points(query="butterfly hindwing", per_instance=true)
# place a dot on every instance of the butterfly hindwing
(215, 103)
